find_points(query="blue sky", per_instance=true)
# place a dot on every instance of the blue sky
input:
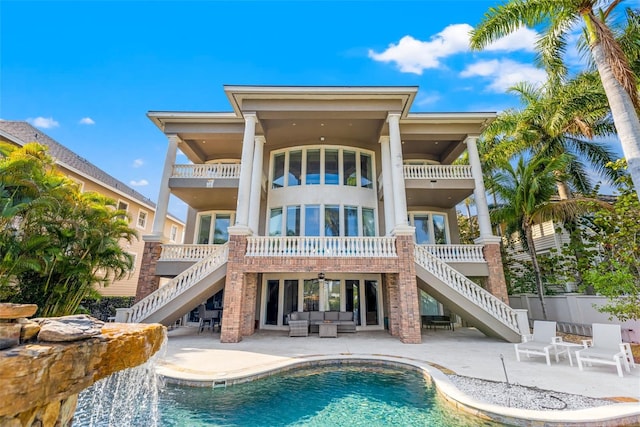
(87, 72)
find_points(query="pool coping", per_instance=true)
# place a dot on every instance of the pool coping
(616, 414)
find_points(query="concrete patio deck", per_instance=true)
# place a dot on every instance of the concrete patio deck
(201, 357)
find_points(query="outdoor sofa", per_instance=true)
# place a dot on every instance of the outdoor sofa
(344, 319)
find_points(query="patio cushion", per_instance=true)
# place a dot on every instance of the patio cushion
(331, 315)
(304, 315)
(345, 315)
(316, 316)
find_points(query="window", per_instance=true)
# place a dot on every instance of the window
(323, 166)
(275, 222)
(293, 220)
(431, 228)
(350, 220)
(142, 219)
(134, 258)
(313, 167)
(312, 220)
(173, 233)
(332, 221)
(368, 222)
(123, 206)
(213, 227)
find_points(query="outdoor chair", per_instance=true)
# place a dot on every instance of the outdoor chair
(607, 348)
(298, 327)
(541, 343)
(206, 317)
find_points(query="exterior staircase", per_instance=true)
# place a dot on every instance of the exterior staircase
(184, 292)
(465, 298)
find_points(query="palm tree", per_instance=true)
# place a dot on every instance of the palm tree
(557, 119)
(559, 17)
(526, 193)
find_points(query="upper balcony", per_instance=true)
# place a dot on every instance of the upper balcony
(192, 182)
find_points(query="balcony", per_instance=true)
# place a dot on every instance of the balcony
(193, 184)
(442, 186)
(305, 246)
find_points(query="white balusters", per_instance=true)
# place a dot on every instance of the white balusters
(186, 252)
(321, 246)
(215, 170)
(456, 253)
(466, 287)
(178, 284)
(437, 172)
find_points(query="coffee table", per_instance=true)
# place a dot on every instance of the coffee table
(328, 330)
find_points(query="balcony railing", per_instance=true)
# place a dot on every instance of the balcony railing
(217, 170)
(186, 252)
(456, 253)
(343, 247)
(437, 172)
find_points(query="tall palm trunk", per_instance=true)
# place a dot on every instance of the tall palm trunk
(624, 114)
(536, 267)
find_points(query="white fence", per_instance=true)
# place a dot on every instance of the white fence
(383, 247)
(574, 309)
(186, 252)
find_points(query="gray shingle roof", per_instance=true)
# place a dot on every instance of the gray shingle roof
(23, 133)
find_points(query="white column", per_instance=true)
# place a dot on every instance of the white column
(256, 184)
(163, 198)
(397, 174)
(479, 193)
(387, 185)
(246, 166)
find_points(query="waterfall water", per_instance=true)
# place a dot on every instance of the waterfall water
(126, 398)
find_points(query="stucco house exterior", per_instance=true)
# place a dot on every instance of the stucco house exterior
(141, 210)
(323, 199)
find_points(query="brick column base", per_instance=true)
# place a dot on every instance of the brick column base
(148, 282)
(408, 306)
(496, 283)
(234, 291)
(390, 281)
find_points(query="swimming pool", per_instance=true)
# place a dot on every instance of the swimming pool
(333, 395)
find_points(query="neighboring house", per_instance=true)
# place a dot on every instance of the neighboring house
(141, 210)
(323, 199)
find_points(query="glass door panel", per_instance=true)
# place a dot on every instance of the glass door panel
(371, 301)
(331, 293)
(332, 221)
(204, 227)
(220, 233)
(311, 295)
(439, 229)
(352, 298)
(290, 299)
(272, 302)
(421, 222)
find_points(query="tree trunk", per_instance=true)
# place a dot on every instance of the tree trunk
(536, 268)
(624, 115)
(564, 192)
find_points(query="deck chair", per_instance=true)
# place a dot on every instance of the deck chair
(541, 343)
(606, 348)
(205, 318)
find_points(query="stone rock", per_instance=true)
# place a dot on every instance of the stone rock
(9, 334)
(15, 311)
(68, 328)
(29, 329)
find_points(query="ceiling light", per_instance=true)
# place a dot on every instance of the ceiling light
(322, 138)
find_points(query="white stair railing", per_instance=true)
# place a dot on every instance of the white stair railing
(178, 285)
(456, 253)
(343, 247)
(186, 252)
(437, 172)
(465, 287)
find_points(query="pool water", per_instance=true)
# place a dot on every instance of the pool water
(334, 395)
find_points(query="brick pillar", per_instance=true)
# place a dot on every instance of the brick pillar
(496, 283)
(234, 290)
(391, 285)
(408, 307)
(249, 305)
(148, 282)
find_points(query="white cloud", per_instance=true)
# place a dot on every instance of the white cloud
(504, 73)
(44, 122)
(87, 121)
(414, 56)
(140, 183)
(425, 99)
(522, 39)
(137, 163)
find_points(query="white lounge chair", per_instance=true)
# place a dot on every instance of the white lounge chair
(541, 343)
(607, 348)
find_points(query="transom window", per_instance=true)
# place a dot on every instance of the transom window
(322, 220)
(322, 166)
